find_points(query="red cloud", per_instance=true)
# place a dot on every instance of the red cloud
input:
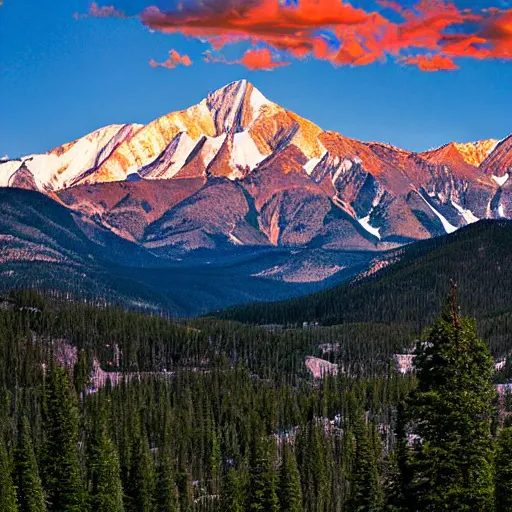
(175, 59)
(499, 34)
(336, 31)
(260, 59)
(264, 18)
(430, 62)
(253, 59)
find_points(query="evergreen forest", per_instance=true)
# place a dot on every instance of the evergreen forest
(104, 409)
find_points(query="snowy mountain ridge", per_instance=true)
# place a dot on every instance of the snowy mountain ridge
(239, 170)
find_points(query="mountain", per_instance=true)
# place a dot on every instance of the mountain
(238, 175)
(257, 172)
(407, 286)
(47, 246)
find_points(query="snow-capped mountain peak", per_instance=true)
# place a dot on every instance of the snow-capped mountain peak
(236, 155)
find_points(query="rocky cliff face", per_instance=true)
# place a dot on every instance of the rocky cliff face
(239, 170)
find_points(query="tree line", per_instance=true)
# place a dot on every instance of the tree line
(220, 431)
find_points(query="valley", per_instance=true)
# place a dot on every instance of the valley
(233, 190)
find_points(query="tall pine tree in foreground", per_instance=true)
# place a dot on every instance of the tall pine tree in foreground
(450, 412)
(63, 480)
(290, 492)
(107, 490)
(30, 488)
(504, 471)
(8, 502)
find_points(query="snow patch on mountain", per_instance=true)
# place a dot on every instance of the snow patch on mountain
(7, 169)
(226, 105)
(258, 101)
(468, 215)
(183, 149)
(365, 222)
(345, 167)
(211, 147)
(168, 163)
(245, 153)
(310, 165)
(501, 180)
(449, 228)
(234, 239)
(184, 145)
(60, 167)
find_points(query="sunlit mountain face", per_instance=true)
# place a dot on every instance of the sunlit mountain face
(238, 165)
(237, 173)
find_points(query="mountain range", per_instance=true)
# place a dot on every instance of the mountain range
(238, 186)
(412, 288)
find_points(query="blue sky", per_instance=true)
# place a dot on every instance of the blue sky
(61, 78)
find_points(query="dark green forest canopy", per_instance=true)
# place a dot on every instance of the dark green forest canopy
(229, 400)
(209, 412)
(153, 343)
(410, 293)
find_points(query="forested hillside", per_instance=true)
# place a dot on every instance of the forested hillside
(107, 410)
(208, 415)
(46, 246)
(411, 290)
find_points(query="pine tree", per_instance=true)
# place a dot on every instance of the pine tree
(166, 490)
(215, 461)
(365, 495)
(312, 455)
(185, 494)
(232, 497)
(262, 492)
(142, 477)
(503, 464)
(107, 490)
(8, 501)
(398, 474)
(30, 488)
(81, 371)
(62, 470)
(290, 492)
(451, 412)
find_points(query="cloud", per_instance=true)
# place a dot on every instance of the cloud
(106, 11)
(284, 27)
(430, 34)
(175, 59)
(499, 34)
(253, 59)
(431, 62)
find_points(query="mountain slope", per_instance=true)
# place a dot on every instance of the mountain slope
(411, 284)
(294, 177)
(45, 245)
(234, 178)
